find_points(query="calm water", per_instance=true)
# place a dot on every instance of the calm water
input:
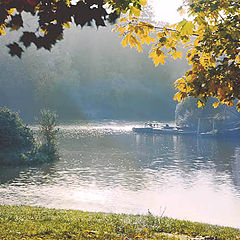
(106, 167)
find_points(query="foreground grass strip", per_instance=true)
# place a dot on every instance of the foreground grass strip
(35, 223)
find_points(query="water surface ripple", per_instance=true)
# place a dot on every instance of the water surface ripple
(105, 167)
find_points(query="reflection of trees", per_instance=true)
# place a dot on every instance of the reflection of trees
(7, 174)
(236, 167)
(189, 154)
(130, 161)
(38, 175)
(219, 154)
(154, 151)
(218, 151)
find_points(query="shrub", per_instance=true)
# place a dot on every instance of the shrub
(48, 131)
(17, 143)
(13, 133)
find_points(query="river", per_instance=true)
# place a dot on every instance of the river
(106, 167)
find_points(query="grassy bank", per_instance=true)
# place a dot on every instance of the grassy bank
(23, 222)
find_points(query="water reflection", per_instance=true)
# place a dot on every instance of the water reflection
(189, 154)
(105, 167)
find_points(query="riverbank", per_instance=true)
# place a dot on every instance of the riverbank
(36, 223)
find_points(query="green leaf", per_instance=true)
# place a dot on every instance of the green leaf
(185, 27)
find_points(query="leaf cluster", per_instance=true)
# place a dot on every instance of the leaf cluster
(53, 16)
(212, 38)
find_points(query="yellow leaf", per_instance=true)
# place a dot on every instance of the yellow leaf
(66, 25)
(160, 35)
(237, 59)
(230, 103)
(68, 2)
(200, 104)
(196, 43)
(122, 20)
(182, 87)
(177, 54)
(132, 41)
(139, 236)
(11, 11)
(238, 106)
(159, 59)
(191, 78)
(158, 56)
(121, 29)
(125, 41)
(185, 27)
(135, 11)
(2, 30)
(188, 89)
(188, 28)
(149, 39)
(43, 31)
(152, 55)
(178, 97)
(215, 105)
(179, 81)
(162, 59)
(143, 2)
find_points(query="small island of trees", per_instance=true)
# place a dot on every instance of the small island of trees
(18, 144)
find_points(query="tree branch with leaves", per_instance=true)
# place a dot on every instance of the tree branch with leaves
(54, 16)
(212, 38)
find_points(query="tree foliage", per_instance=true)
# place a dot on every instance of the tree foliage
(18, 145)
(212, 39)
(14, 134)
(223, 117)
(53, 16)
(48, 130)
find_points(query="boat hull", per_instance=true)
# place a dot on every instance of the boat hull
(143, 130)
(162, 131)
(227, 133)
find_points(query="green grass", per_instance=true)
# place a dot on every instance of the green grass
(23, 222)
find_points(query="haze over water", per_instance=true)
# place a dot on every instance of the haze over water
(105, 167)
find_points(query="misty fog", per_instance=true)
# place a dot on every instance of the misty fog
(89, 75)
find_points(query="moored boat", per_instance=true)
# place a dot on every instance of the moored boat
(158, 128)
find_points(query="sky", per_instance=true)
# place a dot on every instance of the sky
(166, 10)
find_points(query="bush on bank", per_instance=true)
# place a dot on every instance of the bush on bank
(18, 146)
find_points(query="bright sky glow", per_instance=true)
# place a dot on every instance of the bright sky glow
(166, 10)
